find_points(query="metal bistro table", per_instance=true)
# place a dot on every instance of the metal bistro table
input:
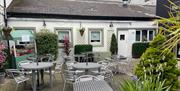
(87, 66)
(100, 85)
(38, 66)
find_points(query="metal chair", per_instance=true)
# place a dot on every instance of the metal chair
(87, 78)
(57, 66)
(68, 77)
(18, 76)
(26, 72)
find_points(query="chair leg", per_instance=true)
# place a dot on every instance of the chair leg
(64, 86)
(54, 77)
(16, 87)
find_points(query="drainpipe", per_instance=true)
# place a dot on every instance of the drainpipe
(9, 56)
(5, 15)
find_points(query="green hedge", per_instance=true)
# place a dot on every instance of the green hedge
(78, 49)
(47, 43)
(138, 49)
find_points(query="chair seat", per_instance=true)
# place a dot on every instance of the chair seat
(21, 79)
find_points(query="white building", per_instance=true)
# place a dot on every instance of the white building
(100, 19)
(2, 11)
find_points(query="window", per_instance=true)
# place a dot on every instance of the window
(144, 35)
(23, 36)
(151, 35)
(122, 37)
(95, 36)
(62, 33)
(138, 34)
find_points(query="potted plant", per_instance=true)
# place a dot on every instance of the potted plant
(81, 30)
(114, 45)
(67, 48)
(2, 61)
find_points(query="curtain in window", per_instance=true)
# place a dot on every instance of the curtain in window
(95, 36)
(61, 35)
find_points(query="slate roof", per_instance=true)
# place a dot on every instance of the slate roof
(78, 8)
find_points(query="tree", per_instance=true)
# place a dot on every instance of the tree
(114, 45)
(154, 64)
(47, 43)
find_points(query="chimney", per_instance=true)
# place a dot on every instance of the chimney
(125, 3)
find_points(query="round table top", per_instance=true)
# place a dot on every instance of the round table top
(85, 66)
(34, 66)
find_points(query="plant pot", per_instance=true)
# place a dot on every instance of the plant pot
(7, 31)
(82, 31)
(67, 58)
(2, 76)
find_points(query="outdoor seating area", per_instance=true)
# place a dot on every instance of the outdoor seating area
(44, 73)
(89, 45)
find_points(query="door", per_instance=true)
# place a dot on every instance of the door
(123, 43)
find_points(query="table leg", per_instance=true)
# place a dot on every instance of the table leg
(34, 80)
(86, 71)
(42, 77)
(50, 74)
(99, 70)
(38, 83)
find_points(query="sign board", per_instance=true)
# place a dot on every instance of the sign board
(25, 38)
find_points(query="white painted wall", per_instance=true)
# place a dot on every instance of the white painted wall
(136, 2)
(1, 10)
(75, 24)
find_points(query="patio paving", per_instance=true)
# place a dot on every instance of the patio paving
(9, 84)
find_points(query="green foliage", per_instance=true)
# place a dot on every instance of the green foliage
(78, 49)
(114, 45)
(155, 64)
(47, 43)
(170, 27)
(150, 84)
(158, 41)
(138, 49)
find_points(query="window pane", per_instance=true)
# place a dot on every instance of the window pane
(122, 37)
(95, 36)
(137, 35)
(150, 35)
(61, 35)
(144, 35)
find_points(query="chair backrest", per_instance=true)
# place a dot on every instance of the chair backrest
(87, 78)
(23, 62)
(69, 76)
(58, 66)
(47, 58)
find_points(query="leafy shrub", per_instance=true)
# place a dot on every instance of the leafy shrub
(155, 64)
(114, 45)
(78, 49)
(148, 84)
(47, 43)
(138, 49)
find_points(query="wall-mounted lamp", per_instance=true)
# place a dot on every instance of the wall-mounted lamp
(125, 3)
(44, 23)
(111, 24)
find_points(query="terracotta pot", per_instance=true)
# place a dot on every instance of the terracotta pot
(82, 31)
(6, 31)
